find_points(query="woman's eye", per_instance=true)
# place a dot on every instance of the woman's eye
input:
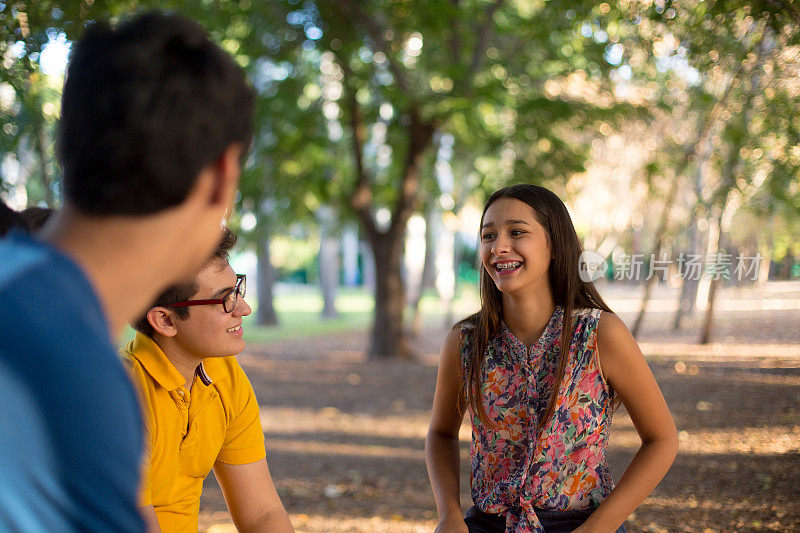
(487, 236)
(516, 232)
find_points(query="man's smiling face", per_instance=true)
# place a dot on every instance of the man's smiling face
(209, 331)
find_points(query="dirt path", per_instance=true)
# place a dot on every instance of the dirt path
(345, 435)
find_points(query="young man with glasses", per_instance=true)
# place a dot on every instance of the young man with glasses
(199, 407)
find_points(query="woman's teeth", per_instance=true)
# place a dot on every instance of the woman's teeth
(509, 265)
(236, 328)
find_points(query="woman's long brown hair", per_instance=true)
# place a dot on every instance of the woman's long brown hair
(569, 291)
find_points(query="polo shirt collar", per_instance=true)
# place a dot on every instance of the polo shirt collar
(156, 363)
(211, 369)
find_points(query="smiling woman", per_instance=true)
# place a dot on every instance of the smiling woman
(541, 367)
(515, 248)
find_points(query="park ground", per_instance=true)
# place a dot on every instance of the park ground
(345, 434)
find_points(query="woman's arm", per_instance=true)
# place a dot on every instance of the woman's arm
(626, 370)
(441, 445)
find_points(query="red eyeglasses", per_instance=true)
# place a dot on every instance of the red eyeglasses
(228, 300)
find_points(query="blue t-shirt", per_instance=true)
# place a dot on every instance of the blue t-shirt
(70, 427)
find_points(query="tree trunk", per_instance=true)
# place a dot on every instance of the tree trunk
(47, 180)
(367, 265)
(350, 251)
(328, 275)
(716, 246)
(446, 272)
(763, 267)
(661, 232)
(387, 331)
(387, 328)
(265, 316)
(637, 326)
(328, 260)
(719, 243)
(428, 270)
(690, 284)
(708, 324)
(686, 301)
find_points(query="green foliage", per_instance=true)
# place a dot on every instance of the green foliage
(521, 86)
(474, 71)
(29, 99)
(762, 134)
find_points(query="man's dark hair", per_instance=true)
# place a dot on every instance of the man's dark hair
(36, 217)
(185, 290)
(145, 108)
(10, 219)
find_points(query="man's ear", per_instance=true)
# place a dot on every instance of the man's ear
(227, 169)
(161, 320)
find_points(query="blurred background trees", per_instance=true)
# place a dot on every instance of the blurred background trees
(669, 128)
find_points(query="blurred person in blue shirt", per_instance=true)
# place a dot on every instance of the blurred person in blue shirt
(155, 122)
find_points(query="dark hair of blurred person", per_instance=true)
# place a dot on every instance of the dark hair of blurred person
(35, 216)
(157, 125)
(10, 219)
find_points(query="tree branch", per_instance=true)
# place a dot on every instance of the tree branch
(420, 136)
(455, 42)
(481, 43)
(790, 8)
(377, 33)
(360, 199)
(711, 118)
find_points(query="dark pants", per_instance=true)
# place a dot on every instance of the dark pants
(552, 521)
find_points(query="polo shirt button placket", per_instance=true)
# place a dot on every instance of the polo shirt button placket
(183, 395)
(182, 403)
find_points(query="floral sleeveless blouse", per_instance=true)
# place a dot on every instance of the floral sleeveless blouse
(566, 469)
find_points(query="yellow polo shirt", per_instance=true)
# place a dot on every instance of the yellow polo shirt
(187, 431)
